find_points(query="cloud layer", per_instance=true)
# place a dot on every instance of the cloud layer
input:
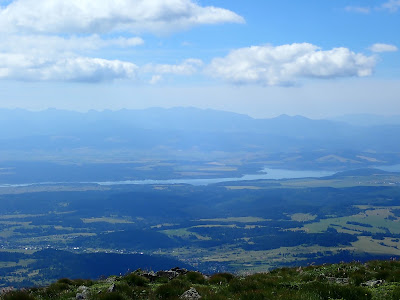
(105, 16)
(58, 40)
(284, 65)
(54, 40)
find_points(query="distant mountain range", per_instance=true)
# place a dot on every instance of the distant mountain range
(181, 134)
(191, 127)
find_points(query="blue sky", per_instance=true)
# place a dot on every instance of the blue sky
(317, 58)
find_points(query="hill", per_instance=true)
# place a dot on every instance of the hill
(372, 280)
(362, 172)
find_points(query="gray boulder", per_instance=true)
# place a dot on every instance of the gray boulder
(373, 283)
(83, 292)
(190, 294)
(168, 274)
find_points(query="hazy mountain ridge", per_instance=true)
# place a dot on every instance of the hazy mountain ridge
(188, 138)
(163, 124)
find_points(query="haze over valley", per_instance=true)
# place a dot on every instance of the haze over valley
(66, 146)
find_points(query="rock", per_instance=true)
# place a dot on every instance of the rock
(168, 274)
(6, 290)
(83, 293)
(373, 283)
(111, 289)
(190, 294)
(180, 271)
(82, 289)
(149, 275)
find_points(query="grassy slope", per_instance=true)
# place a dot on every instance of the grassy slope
(336, 281)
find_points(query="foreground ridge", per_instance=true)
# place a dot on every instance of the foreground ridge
(371, 280)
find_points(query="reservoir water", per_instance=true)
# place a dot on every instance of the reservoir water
(266, 173)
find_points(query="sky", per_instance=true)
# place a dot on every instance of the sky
(317, 58)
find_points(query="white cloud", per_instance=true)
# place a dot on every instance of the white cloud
(378, 48)
(54, 58)
(284, 65)
(91, 16)
(358, 9)
(51, 40)
(187, 67)
(392, 5)
(54, 44)
(83, 69)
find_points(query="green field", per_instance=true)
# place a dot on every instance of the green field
(238, 227)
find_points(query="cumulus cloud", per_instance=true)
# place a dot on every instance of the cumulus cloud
(33, 68)
(378, 48)
(90, 16)
(392, 5)
(284, 65)
(358, 9)
(56, 39)
(55, 58)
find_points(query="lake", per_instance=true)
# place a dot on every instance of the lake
(266, 173)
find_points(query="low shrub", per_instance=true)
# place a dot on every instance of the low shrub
(394, 276)
(54, 289)
(136, 280)
(65, 280)
(255, 282)
(195, 278)
(334, 291)
(361, 275)
(221, 278)
(172, 289)
(80, 282)
(18, 295)
(110, 296)
(395, 295)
